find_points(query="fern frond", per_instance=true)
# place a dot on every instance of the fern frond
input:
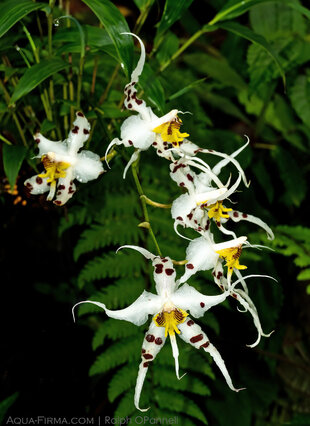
(116, 231)
(112, 266)
(122, 381)
(126, 406)
(166, 378)
(114, 330)
(117, 354)
(77, 216)
(179, 402)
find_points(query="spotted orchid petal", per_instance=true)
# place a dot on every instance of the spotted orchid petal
(192, 333)
(153, 341)
(201, 256)
(236, 216)
(189, 299)
(136, 313)
(63, 163)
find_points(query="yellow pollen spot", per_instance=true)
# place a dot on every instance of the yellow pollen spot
(232, 255)
(217, 211)
(170, 320)
(54, 169)
(170, 132)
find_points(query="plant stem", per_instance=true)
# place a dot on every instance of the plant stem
(2, 138)
(107, 89)
(134, 170)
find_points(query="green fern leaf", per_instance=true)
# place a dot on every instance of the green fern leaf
(117, 354)
(112, 266)
(126, 406)
(304, 275)
(181, 404)
(122, 381)
(77, 216)
(166, 378)
(114, 330)
(114, 231)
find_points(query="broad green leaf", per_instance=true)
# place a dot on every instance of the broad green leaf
(304, 275)
(13, 157)
(245, 32)
(274, 20)
(300, 98)
(173, 11)
(218, 68)
(13, 11)
(236, 8)
(167, 48)
(35, 75)
(115, 24)
(152, 88)
(6, 404)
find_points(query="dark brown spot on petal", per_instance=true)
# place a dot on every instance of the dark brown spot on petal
(80, 114)
(158, 341)
(182, 184)
(150, 338)
(130, 106)
(234, 295)
(86, 131)
(210, 150)
(202, 304)
(236, 214)
(190, 216)
(147, 356)
(159, 268)
(130, 142)
(180, 218)
(205, 345)
(154, 143)
(61, 187)
(164, 260)
(37, 140)
(39, 180)
(57, 202)
(143, 351)
(59, 193)
(190, 177)
(29, 186)
(75, 129)
(219, 274)
(146, 364)
(190, 266)
(138, 101)
(190, 322)
(244, 215)
(169, 271)
(159, 151)
(71, 190)
(197, 338)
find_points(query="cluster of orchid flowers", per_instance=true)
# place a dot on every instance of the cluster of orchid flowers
(201, 207)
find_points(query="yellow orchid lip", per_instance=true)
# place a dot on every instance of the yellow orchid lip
(218, 211)
(232, 255)
(170, 132)
(170, 320)
(54, 169)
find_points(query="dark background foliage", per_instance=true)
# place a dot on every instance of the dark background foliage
(231, 78)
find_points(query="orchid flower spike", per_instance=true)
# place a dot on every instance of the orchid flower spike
(145, 128)
(169, 311)
(63, 164)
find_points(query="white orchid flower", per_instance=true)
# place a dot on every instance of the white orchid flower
(145, 128)
(202, 202)
(63, 164)
(203, 255)
(168, 308)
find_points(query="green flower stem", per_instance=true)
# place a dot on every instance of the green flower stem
(134, 170)
(154, 203)
(65, 97)
(2, 138)
(142, 17)
(182, 48)
(93, 80)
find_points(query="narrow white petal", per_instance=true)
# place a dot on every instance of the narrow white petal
(237, 216)
(164, 119)
(231, 243)
(133, 158)
(79, 134)
(232, 189)
(141, 250)
(217, 169)
(115, 141)
(175, 354)
(45, 145)
(154, 340)
(139, 68)
(205, 169)
(192, 333)
(137, 313)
